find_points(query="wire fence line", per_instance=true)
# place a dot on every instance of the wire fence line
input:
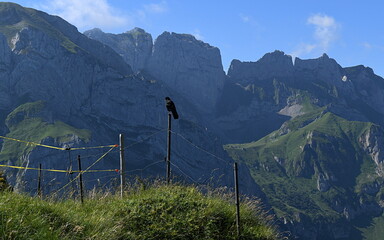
(199, 148)
(114, 148)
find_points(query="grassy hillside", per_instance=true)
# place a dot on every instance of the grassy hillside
(17, 17)
(159, 212)
(288, 164)
(27, 123)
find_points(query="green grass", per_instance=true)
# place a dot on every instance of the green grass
(158, 212)
(25, 123)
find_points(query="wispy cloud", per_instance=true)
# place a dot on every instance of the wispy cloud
(142, 14)
(156, 7)
(245, 18)
(367, 45)
(248, 19)
(326, 29)
(326, 32)
(87, 14)
(197, 34)
(371, 46)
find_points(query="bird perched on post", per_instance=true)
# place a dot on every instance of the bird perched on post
(171, 107)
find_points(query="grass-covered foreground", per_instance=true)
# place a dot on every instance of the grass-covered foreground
(161, 212)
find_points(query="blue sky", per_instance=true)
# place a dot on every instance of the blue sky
(351, 32)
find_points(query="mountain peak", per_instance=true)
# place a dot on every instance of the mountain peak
(28, 30)
(315, 63)
(325, 56)
(185, 38)
(190, 66)
(136, 30)
(271, 65)
(134, 46)
(277, 57)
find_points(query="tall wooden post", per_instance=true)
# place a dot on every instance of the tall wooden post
(81, 180)
(169, 149)
(237, 199)
(122, 165)
(39, 192)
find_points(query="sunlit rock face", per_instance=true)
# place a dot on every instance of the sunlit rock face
(190, 67)
(135, 46)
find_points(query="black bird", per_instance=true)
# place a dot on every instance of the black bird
(171, 107)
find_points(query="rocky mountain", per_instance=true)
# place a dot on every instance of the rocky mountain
(61, 88)
(308, 133)
(188, 66)
(134, 46)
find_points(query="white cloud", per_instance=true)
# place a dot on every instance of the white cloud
(197, 34)
(156, 7)
(372, 47)
(245, 18)
(142, 14)
(249, 20)
(367, 45)
(86, 14)
(326, 29)
(325, 34)
(303, 49)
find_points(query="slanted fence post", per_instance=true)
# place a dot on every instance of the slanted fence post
(39, 191)
(122, 165)
(237, 199)
(80, 180)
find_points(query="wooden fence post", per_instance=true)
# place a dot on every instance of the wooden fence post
(81, 180)
(237, 199)
(122, 165)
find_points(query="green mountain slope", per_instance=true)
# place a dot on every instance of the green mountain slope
(27, 122)
(315, 169)
(16, 17)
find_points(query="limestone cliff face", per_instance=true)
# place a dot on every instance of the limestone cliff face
(275, 87)
(5, 64)
(190, 67)
(372, 142)
(134, 46)
(254, 94)
(271, 65)
(324, 68)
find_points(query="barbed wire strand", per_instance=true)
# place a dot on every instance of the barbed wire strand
(142, 169)
(193, 180)
(187, 161)
(200, 148)
(86, 170)
(53, 147)
(146, 138)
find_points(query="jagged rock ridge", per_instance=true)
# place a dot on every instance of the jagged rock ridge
(189, 66)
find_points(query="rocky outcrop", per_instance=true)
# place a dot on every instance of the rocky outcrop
(272, 65)
(325, 68)
(190, 67)
(5, 65)
(135, 46)
(372, 142)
